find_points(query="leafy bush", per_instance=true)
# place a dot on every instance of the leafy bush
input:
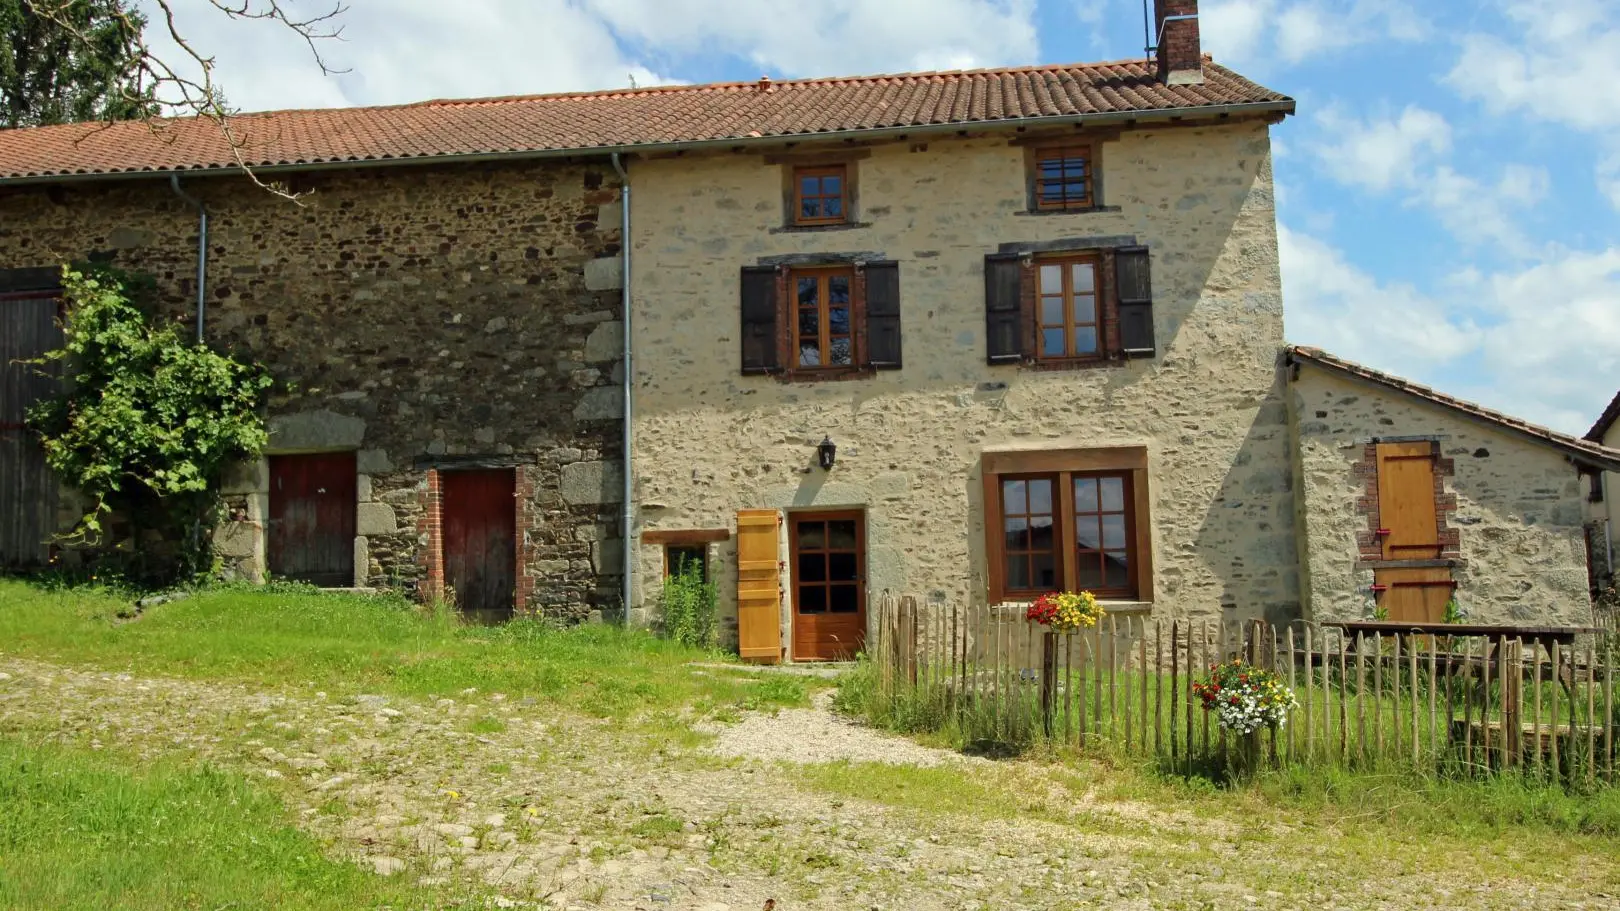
(147, 422)
(689, 605)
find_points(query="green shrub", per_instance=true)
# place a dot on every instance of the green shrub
(689, 605)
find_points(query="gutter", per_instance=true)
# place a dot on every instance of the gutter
(202, 251)
(1213, 112)
(628, 519)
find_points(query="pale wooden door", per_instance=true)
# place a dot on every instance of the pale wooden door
(828, 553)
(759, 599)
(1407, 519)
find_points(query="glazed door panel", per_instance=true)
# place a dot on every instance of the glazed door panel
(828, 560)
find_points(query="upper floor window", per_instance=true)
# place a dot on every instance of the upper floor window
(820, 195)
(1063, 177)
(1070, 320)
(822, 328)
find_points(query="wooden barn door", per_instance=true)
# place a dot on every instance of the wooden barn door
(312, 518)
(28, 329)
(759, 596)
(1410, 531)
(829, 585)
(480, 541)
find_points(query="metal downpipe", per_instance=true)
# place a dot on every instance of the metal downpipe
(202, 251)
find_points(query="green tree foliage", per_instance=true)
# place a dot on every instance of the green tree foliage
(71, 66)
(147, 422)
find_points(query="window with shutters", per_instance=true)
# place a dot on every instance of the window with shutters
(1063, 177)
(821, 322)
(1067, 520)
(1081, 308)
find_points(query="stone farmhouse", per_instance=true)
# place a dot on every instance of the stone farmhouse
(969, 336)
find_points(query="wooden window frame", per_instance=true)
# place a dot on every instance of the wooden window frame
(1101, 310)
(841, 171)
(1064, 465)
(823, 276)
(1064, 150)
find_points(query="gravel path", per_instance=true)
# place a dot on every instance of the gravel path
(548, 810)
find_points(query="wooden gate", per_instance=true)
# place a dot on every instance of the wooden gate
(28, 490)
(480, 541)
(312, 518)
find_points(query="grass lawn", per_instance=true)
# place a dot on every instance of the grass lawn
(358, 643)
(83, 830)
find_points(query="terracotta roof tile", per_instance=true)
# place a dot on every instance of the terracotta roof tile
(619, 119)
(1585, 452)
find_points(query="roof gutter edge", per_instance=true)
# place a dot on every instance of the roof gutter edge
(1214, 111)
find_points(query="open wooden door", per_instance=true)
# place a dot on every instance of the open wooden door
(28, 489)
(759, 599)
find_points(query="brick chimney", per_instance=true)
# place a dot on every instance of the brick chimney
(1175, 23)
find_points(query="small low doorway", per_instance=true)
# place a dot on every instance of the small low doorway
(310, 533)
(828, 559)
(480, 541)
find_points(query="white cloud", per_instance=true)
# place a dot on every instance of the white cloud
(1545, 339)
(1380, 155)
(1253, 32)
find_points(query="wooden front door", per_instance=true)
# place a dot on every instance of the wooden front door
(480, 541)
(829, 585)
(312, 518)
(28, 329)
(1407, 519)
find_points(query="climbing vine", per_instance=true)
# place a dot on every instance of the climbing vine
(146, 422)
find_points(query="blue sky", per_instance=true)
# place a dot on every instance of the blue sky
(1448, 196)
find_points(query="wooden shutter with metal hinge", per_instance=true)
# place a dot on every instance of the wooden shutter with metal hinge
(1003, 308)
(1408, 522)
(759, 599)
(883, 314)
(1134, 285)
(760, 350)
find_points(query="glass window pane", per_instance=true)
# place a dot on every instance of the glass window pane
(812, 535)
(1049, 167)
(1113, 494)
(1045, 569)
(1086, 534)
(1116, 570)
(809, 354)
(841, 534)
(1012, 497)
(1113, 531)
(810, 207)
(838, 289)
(1084, 277)
(838, 320)
(1052, 343)
(1085, 494)
(1051, 311)
(832, 185)
(812, 599)
(807, 292)
(844, 599)
(1016, 533)
(1017, 572)
(810, 323)
(809, 186)
(1091, 575)
(833, 206)
(813, 567)
(840, 354)
(1085, 309)
(1040, 495)
(1075, 189)
(1042, 534)
(1085, 340)
(1051, 279)
(841, 567)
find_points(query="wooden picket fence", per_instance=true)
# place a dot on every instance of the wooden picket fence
(1462, 704)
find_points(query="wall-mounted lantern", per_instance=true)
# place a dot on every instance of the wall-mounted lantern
(826, 453)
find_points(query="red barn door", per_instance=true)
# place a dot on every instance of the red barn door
(480, 541)
(312, 518)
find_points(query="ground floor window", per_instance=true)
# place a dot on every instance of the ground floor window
(678, 557)
(1067, 520)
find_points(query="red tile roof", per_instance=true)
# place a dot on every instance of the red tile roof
(1605, 420)
(539, 124)
(1584, 452)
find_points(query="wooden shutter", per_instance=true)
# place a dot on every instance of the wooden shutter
(1003, 308)
(1135, 290)
(759, 599)
(759, 320)
(1416, 595)
(1407, 521)
(883, 314)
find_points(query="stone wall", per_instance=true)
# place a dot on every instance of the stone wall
(1518, 515)
(421, 316)
(1209, 407)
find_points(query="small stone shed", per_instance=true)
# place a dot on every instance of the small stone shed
(1410, 500)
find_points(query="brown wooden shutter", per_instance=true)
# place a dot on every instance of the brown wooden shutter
(883, 314)
(1407, 519)
(1416, 595)
(1003, 308)
(759, 599)
(760, 352)
(1134, 285)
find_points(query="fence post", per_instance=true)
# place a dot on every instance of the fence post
(1048, 678)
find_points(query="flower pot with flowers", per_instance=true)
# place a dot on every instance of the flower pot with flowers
(1245, 698)
(1065, 612)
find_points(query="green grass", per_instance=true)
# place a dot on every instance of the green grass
(84, 830)
(358, 643)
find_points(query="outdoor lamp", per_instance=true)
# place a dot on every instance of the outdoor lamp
(826, 452)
